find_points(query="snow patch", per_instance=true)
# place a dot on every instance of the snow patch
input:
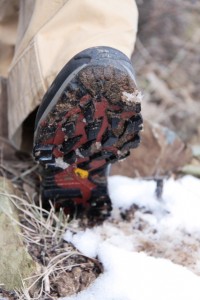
(134, 97)
(151, 255)
(60, 163)
(136, 276)
(78, 153)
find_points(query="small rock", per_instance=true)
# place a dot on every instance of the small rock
(74, 281)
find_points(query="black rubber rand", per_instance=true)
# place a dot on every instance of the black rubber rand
(95, 121)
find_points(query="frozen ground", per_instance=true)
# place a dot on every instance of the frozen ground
(154, 253)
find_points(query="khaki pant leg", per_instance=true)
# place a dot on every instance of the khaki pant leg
(54, 32)
(8, 32)
(8, 26)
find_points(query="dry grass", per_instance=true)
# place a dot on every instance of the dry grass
(42, 232)
(62, 270)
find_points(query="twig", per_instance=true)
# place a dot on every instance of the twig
(22, 175)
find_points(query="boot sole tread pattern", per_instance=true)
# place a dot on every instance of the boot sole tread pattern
(95, 122)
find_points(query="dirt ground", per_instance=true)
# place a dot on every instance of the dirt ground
(167, 67)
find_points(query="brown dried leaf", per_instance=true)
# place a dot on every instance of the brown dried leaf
(160, 153)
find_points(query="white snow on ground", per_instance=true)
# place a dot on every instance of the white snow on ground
(155, 253)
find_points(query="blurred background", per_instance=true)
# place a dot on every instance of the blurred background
(167, 64)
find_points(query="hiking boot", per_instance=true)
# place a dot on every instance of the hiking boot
(88, 119)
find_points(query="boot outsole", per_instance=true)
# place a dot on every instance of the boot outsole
(95, 122)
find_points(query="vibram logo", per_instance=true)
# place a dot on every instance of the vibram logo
(81, 173)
